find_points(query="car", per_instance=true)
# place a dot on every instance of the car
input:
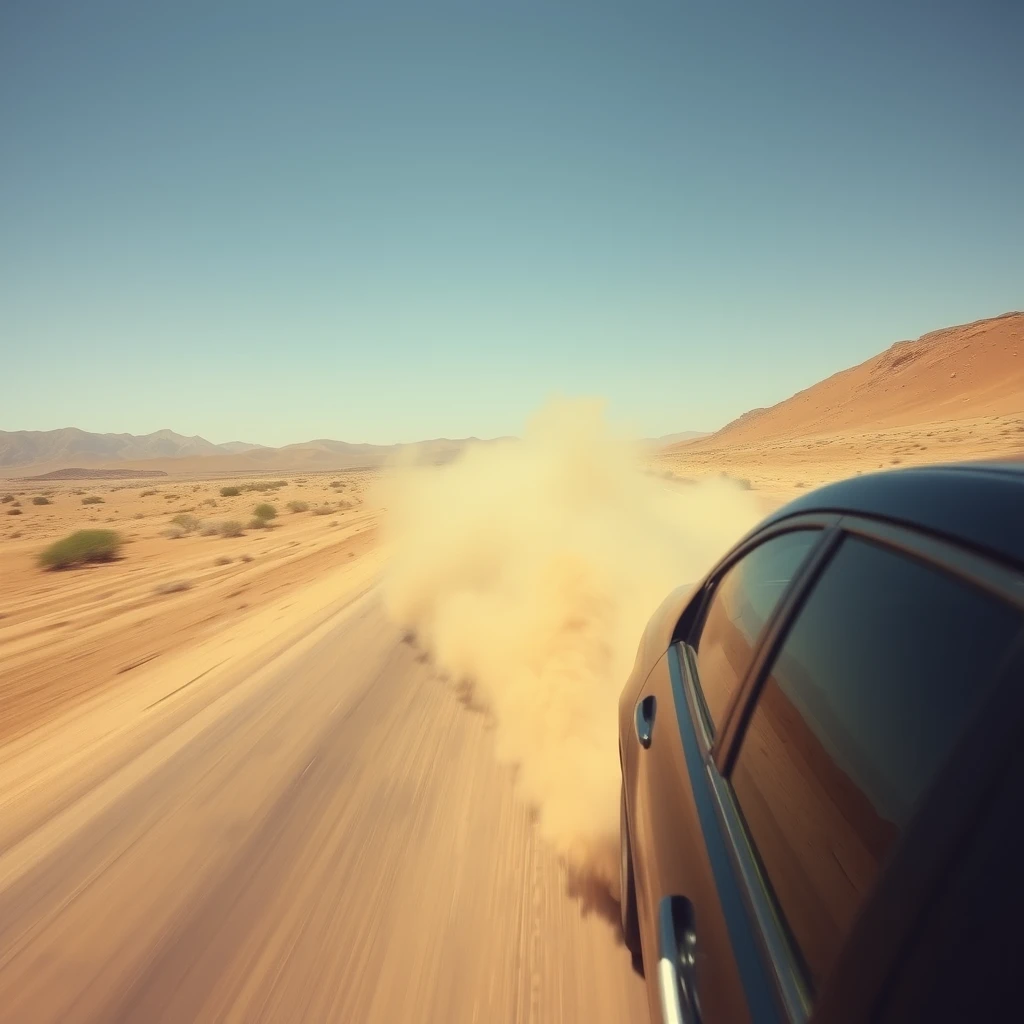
(822, 757)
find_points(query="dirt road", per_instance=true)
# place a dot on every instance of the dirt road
(325, 837)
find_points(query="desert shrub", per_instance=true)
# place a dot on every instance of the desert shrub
(322, 510)
(186, 522)
(81, 547)
(256, 524)
(6, 499)
(171, 497)
(301, 480)
(298, 506)
(139, 515)
(209, 529)
(16, 535)
(337, 483)
(172, 587)
(146, 494)
(230, 492)
(259, 486)
(246, 558)
(173, 533)
(232, 528)
(333, 522)
(279, 483)
(78, 490)
(265, 512)
(212, 502)
(197, 487)
(224, 560)
(39, 499)
(92, 499)
(14, 511)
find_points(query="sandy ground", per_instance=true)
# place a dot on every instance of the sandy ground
(227, 802)
(261, 828)
(64, 634)
(952, 395)
(230, 791)
(783, 467)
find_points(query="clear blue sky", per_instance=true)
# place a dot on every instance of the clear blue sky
(390, 221)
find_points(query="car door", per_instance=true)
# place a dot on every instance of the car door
(690, 913)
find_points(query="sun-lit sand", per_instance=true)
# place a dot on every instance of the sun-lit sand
(950, 396)
(63, 634)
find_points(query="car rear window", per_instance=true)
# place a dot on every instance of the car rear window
(741, 604)
(877, 678)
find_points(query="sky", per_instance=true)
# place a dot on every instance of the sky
(399, 220)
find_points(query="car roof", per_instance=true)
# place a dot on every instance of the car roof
(978, 504)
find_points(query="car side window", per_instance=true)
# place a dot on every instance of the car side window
(740, 605)
(880, 672)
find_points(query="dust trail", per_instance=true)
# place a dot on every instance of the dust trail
(530, 568)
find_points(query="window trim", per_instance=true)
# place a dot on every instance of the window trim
(695, 614)
(998, 580)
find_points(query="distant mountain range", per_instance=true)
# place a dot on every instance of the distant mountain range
(164, 450)
(29, 447)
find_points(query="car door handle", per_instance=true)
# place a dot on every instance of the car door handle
(645, 720)
(677, 961)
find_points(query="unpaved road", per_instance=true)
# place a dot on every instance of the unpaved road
(326, 838)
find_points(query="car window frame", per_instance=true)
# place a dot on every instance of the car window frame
(862, 955)
(693, 619)
(768, 929)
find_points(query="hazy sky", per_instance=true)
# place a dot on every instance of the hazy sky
(389, 221)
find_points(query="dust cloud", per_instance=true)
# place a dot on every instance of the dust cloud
(529, 569)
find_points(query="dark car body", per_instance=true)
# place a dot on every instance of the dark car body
(822, 753)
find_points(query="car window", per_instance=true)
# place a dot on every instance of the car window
(875, 681)
(741, 604)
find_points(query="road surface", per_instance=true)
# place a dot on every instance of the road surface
(326, 838)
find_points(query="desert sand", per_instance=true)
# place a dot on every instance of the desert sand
(63, 634)
(950, 396)
(232, 788)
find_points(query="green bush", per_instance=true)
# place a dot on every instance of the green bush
(265, 512)
(41, 500)
(256, 524)
(298, 506)
(230, 492)
(186, 522)
(92, 499)
(81, 547)
(232, 528)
